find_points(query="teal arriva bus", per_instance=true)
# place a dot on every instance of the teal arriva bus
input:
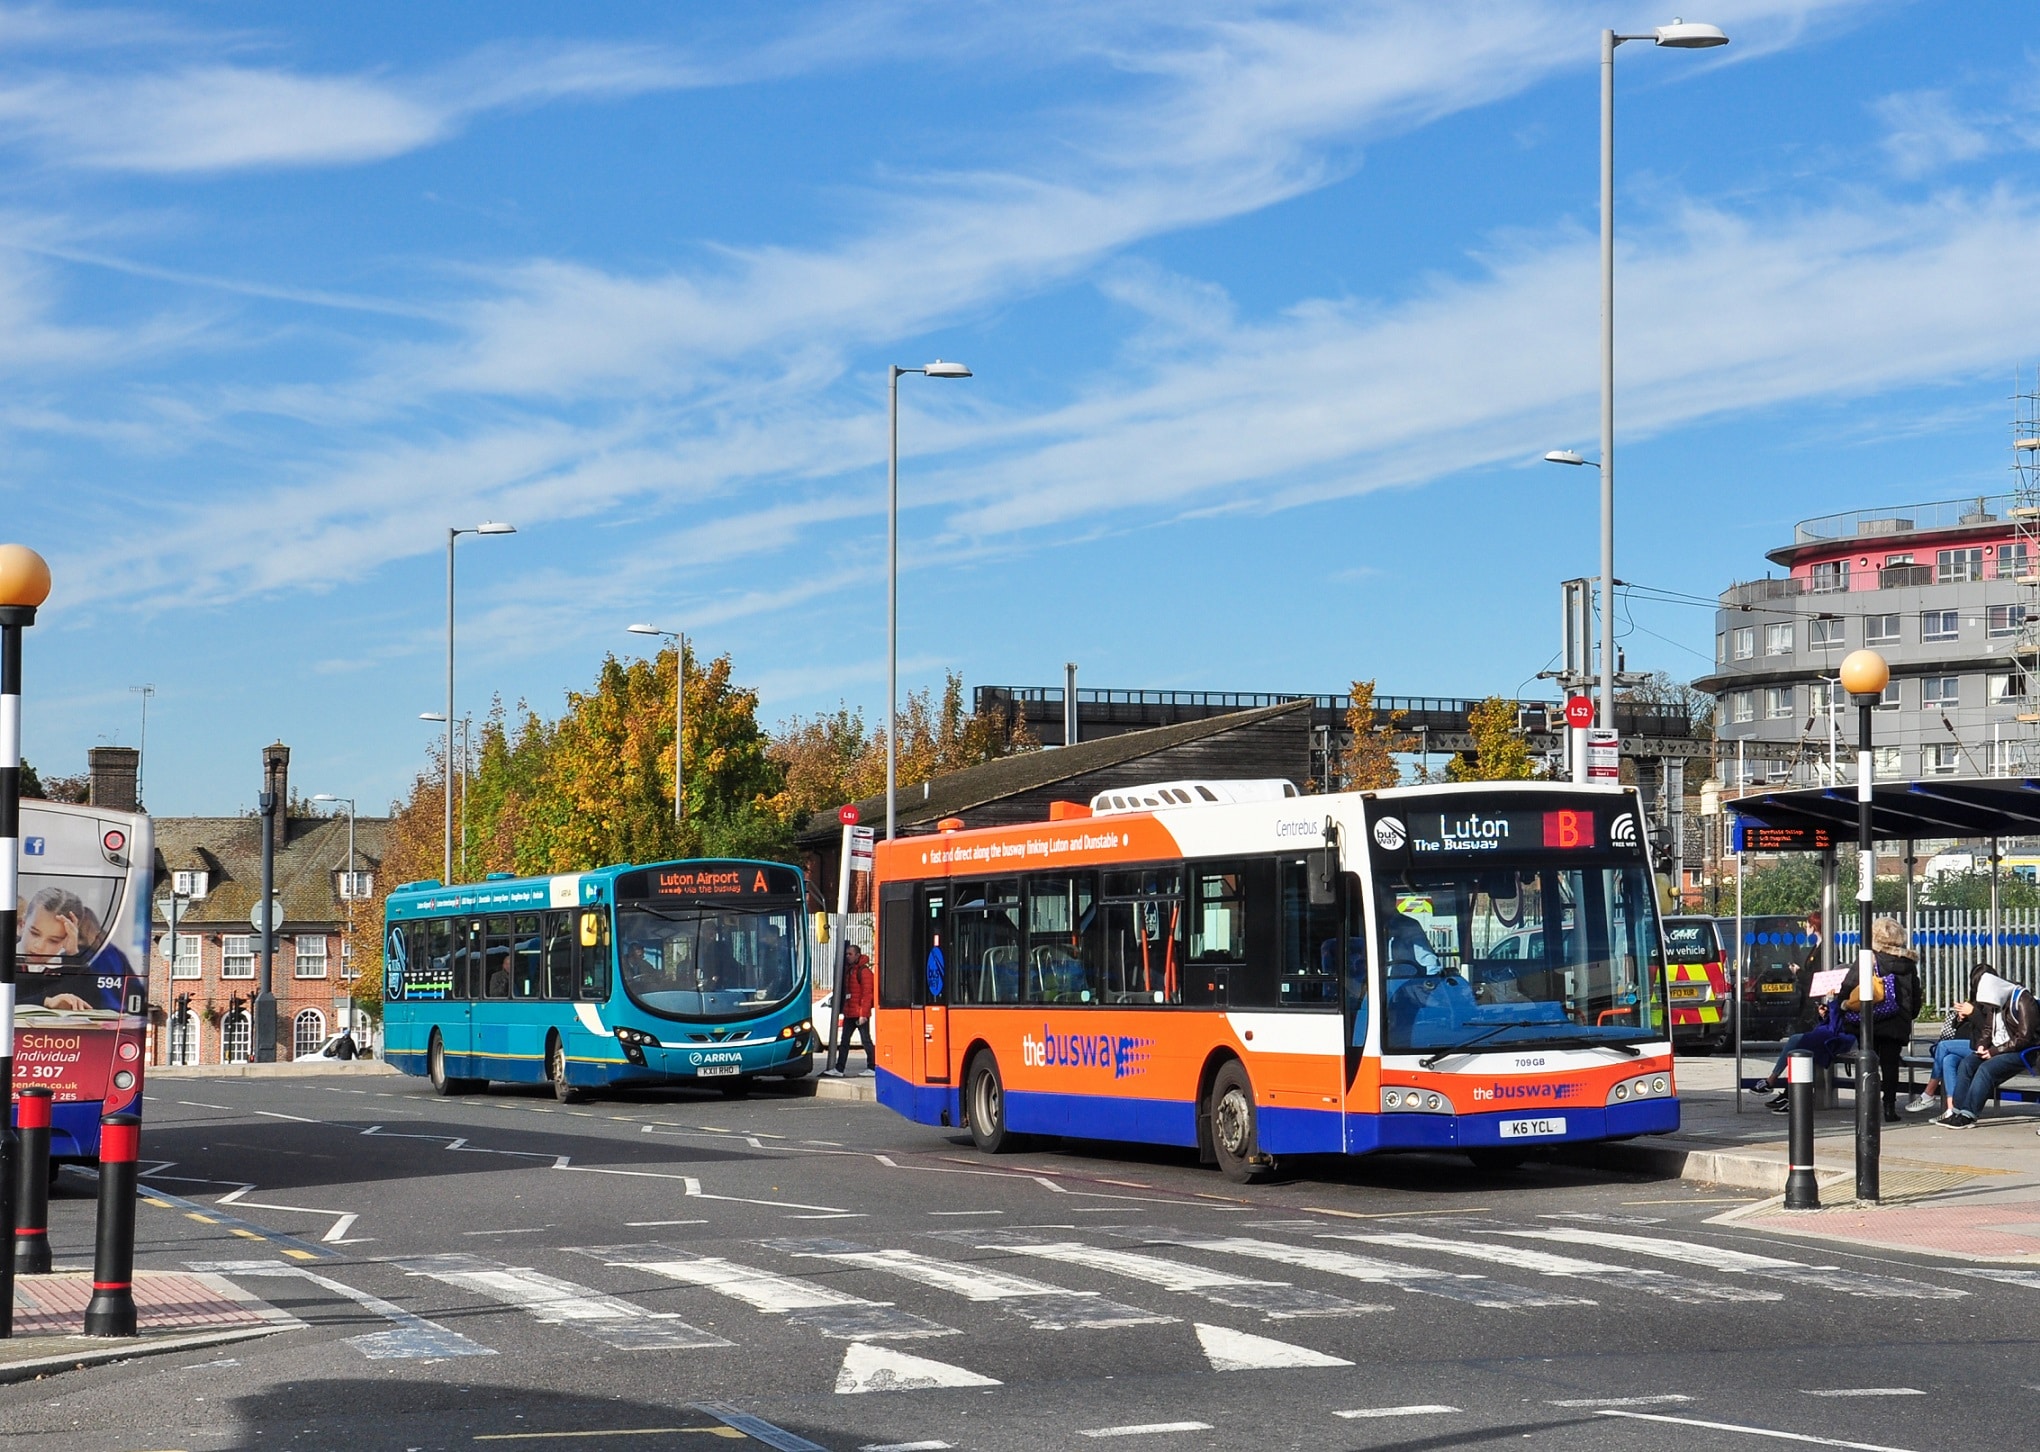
(675, 973)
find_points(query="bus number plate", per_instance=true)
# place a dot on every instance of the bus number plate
(1531, 1128)
(710, 1071)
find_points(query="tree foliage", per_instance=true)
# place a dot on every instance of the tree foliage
(1501, 750)
(1369, 761)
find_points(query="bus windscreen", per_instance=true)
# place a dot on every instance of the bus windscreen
(1534, 949)
(709, 963)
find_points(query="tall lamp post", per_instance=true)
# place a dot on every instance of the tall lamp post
(937, 369)
(467, 747)
(24, 584)
(494, 526)
(347, 895)
(1864, 676)
(679, 709)
(1679, 35)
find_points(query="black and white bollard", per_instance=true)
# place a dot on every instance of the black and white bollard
(111, 1311)
(32, 1185)
(1802, 1189)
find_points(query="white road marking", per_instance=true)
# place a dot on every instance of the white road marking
(342, 1223)
(1589, 1403)
(903, 1447)
(1420, 1409)
(646, 1224)
(1276, 1300)
(1691, 1252)
(293, 1118)
(757, 1428)
(414, 1338)
(554, 1302)
(1755, 1431)
(1146, 1429)
(1229, 1350)
(829, 1311)
(1416, 1279)
(524, 1230)
(966, 1212)
(1867, 1391)
(880, 1368)
(1624, 1277)
(1045, 1307)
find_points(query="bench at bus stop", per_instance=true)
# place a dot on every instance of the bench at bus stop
(1916, 1067)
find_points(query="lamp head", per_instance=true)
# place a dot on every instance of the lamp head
(940, 369)
(1864, 673)
(2026, 445)
(439, 716)
(325, 797)
(643, 629)
(1563, 456)
(24, 576)
(1689, 35)
(495, 526)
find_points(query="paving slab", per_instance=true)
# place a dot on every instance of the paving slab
(174, 1311)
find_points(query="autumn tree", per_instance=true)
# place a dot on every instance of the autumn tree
(1501, 750)
(1368, 763)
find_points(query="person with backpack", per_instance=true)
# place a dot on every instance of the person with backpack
(2003, 1042)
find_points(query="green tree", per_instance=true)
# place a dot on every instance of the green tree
(1501, 751)
(1972, 890)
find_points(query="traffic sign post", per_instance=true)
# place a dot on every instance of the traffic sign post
(1579, 715)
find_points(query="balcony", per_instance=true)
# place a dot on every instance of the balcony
(1904, 519)
(1758, 592)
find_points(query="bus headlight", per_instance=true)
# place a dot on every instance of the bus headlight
(1404, 1099)
(1643, 1086)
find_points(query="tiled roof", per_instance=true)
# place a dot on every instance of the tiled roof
(230, 848)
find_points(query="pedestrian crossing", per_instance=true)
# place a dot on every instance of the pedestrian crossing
(1292, 1297)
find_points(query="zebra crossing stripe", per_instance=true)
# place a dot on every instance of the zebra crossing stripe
(554, 1302)
(1043, 1306)
(1420, 1280)
(1275, 1300)
(1622, 1277)
(1691, 1252)
(880, 1368)
(829, 1311)
(410, 1337)
(1229, 1350)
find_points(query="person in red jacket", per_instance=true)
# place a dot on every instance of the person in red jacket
(853, 1009)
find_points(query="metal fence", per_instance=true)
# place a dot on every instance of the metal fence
(1951, 941)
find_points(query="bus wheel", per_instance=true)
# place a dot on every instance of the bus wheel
(1233, 1131)
(556, 1072)
(435, 1069)
(1495, 1160)
(984, 1100)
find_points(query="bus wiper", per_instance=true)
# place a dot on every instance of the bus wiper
(1466, 1047)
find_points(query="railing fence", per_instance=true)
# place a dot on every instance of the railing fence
(1948, 942)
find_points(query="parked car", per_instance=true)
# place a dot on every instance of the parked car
(1774, 945)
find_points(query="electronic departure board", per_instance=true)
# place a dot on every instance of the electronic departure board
(1750, 835)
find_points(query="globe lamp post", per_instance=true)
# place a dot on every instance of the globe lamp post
(24, 585)
(1864, 676)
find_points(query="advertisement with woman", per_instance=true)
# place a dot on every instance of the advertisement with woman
(82, 959)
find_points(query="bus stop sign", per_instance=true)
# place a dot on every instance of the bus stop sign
(1579, 712)
(848, 814)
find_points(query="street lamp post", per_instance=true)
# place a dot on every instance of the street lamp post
(452, 534)
(24, 585)
(937, 369)
(1679, 35)
(467, 750)
(679, 709)
(1864, 676)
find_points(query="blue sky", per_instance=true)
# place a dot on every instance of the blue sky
(1272, 310)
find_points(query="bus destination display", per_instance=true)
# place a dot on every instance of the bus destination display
(1568, 829)
(708, 879)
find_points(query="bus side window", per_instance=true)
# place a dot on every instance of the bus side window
(1141, 957)
(435, 972)
(1310, 941)
(559, 955)
(1064, 934)
(592, 980)
(496, 956)
(1254, 979)
(896, 967)
(527, 980)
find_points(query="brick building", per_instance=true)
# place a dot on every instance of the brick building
(202, 987)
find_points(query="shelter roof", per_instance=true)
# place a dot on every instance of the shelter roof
(1902, 811)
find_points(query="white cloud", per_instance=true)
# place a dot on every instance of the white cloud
(1925, 132)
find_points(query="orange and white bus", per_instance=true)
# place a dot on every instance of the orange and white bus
(1472, 967)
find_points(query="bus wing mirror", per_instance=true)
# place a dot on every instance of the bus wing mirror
(1324, 877)
(591, 930)
(821, 927)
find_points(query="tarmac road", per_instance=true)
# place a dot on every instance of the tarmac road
(499, 1271)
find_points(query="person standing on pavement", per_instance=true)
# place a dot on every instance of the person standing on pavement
(853, 1010)
(2001, 1049)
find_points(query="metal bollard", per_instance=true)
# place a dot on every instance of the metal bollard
(1802, 1190)
(32, 1185)
(1869, 1118)
(112, 1308)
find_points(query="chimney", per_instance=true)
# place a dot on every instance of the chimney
(113, 771)
(276, 778)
